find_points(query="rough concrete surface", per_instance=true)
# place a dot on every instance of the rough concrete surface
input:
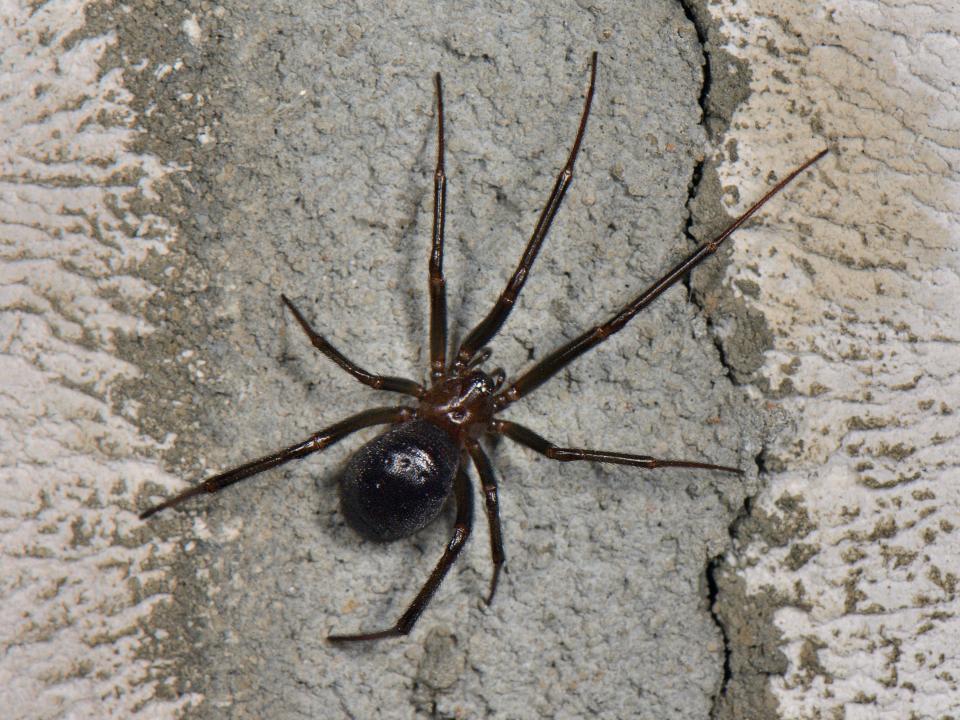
(849, 556)
(168, 169)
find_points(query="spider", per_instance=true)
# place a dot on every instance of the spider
(397, 483)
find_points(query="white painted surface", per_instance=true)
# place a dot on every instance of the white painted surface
(864, 306)
(74, 579)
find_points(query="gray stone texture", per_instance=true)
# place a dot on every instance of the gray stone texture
(308, 137)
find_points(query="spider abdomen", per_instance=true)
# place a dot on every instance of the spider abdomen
(397, 483)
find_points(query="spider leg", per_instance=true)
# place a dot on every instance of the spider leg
(378, 382)
(555, 361)
(526, 436)
(315, 443)
(463, 494)
(488, 481)
(438, 286)
(491, 324)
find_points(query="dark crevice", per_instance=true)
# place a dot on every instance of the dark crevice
(760, 459)
(714, 568)
(702, 100)
(700, 27)
(713, 590)
(697, 21)
(720, 94)
(696, 14)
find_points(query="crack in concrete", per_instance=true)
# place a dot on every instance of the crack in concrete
(697, 175)
(714, 120)
(714, 564)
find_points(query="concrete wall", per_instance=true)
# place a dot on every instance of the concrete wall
(168, 169)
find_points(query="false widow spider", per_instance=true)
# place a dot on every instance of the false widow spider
(397, 483)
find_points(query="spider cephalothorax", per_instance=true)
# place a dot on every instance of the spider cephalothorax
(398, 482)
(463, 405)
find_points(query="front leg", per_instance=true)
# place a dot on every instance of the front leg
(377, 382)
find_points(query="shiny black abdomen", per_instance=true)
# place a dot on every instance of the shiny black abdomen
(397, 483)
